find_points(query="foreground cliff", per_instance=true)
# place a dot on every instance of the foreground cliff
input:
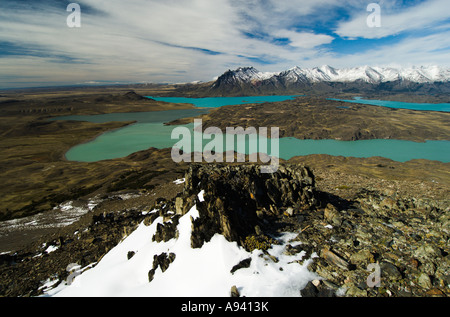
(232, 231)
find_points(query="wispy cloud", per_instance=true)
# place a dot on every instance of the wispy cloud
(397, 19)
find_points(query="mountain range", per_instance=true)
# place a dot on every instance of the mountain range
(422, 79)
(429, 74)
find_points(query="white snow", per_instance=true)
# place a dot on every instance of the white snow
(203, 272)
(200, 196)
(51, 248)
(128, 196)
(366, 73)
(250, 74)
(179, 181)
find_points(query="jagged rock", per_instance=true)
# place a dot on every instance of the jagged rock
(179, 205)
(167, 230)
(234, 292)
(150, 218)
(239, 197)
(332, 216)
(424, 281)
(443, 271)
(130, 254)
(241, 265)
(390, 271)
(290, 250)
(335, 259)
(363, 257)
(151, 275)
(163, 261)
(427, 252)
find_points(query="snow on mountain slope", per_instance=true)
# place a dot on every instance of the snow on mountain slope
(203, 272)
(327, 73)
(249, 74)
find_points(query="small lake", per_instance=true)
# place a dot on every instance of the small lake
(445, 107)
(150, 131)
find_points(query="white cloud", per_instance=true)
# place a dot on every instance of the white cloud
(412, 51)
(304, 39)
(393, 21)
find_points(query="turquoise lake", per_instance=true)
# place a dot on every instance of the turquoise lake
(150, 131)
(399, 104)
(215, 102)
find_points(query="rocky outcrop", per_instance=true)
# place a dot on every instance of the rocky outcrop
(162, 261)
(238, 200)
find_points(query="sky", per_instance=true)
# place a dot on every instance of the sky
(177, 41)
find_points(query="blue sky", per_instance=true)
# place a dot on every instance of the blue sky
(186, 40)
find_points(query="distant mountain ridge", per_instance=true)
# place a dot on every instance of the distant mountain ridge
(422, 79)
(326, 73)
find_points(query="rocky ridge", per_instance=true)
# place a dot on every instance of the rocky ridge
(407, 240)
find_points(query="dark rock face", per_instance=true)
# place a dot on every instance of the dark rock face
(238, 198)
(162, 261)
(166, 231)
(243, 264)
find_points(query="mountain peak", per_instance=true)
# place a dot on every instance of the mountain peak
(241, 76)
(246, 68)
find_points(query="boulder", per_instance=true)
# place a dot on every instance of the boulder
(234, 292)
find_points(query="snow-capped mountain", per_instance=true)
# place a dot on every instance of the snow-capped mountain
(423, 74)
(248, 80)
(244, 75)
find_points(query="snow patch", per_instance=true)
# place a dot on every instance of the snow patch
(200, 196)
(51, 248)
(203, 272)
(179, 181)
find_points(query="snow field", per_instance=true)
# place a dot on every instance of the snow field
(203, 272)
